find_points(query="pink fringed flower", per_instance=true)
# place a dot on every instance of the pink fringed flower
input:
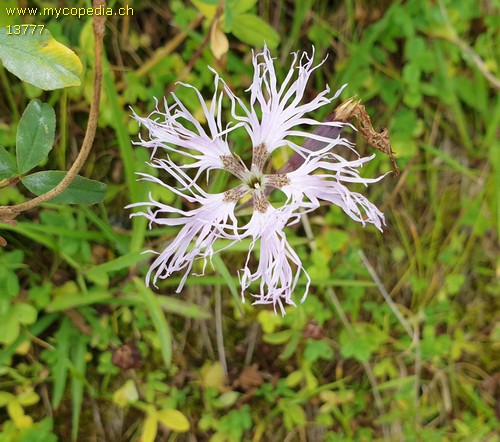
(275, 116)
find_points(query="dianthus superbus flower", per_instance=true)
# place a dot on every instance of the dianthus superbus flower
(274, 116)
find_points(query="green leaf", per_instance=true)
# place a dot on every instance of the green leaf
(9, 329)
(39, 59)
(120, 263)
(75, 300)
(81, 191)
(315, 350)
(293, 414)
(471, 93)
(278, 338)
(207, 7)
(38, 327)
(35, 135)
(294, 378)
(8, 167)
(5, 398)
(38, 432)
(411, 74)
(364, 341)
(269, 321)
(182, 308)
(291, 347)
(254, 31)
(226, 274)
(226, 399)
(25, 313)
(205, 2)
(238, 7)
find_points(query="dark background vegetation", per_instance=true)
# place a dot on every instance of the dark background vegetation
(345, 365)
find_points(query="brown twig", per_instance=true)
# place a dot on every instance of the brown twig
(9, 213)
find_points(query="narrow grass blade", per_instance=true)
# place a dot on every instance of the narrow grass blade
(77, 383)
(128, 156)
(158, 318)
(60, 369)
(176, 306)
(228, 279)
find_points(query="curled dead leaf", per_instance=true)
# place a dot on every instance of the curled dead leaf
(378, 140)
(219, 43)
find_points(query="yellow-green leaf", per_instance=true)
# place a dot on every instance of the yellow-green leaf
(126, 394)
(174, 420)
(25, 313)
(5, 398)
(269, 321)
(9, 328)
(212, 375)
(149, 429)
(28, 397)
(15, 410)
(207, 8)
(39, 59)
(294, 378)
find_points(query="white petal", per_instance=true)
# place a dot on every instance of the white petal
(177, 130)
(213, 219)
(306, 189)
(201, 228)
(278, 279)
(280, 109)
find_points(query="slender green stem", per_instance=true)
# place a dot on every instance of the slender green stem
(8, 93)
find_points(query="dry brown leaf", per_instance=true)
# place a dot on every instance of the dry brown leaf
(219, 43)
(378, 140)
(250, 378)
